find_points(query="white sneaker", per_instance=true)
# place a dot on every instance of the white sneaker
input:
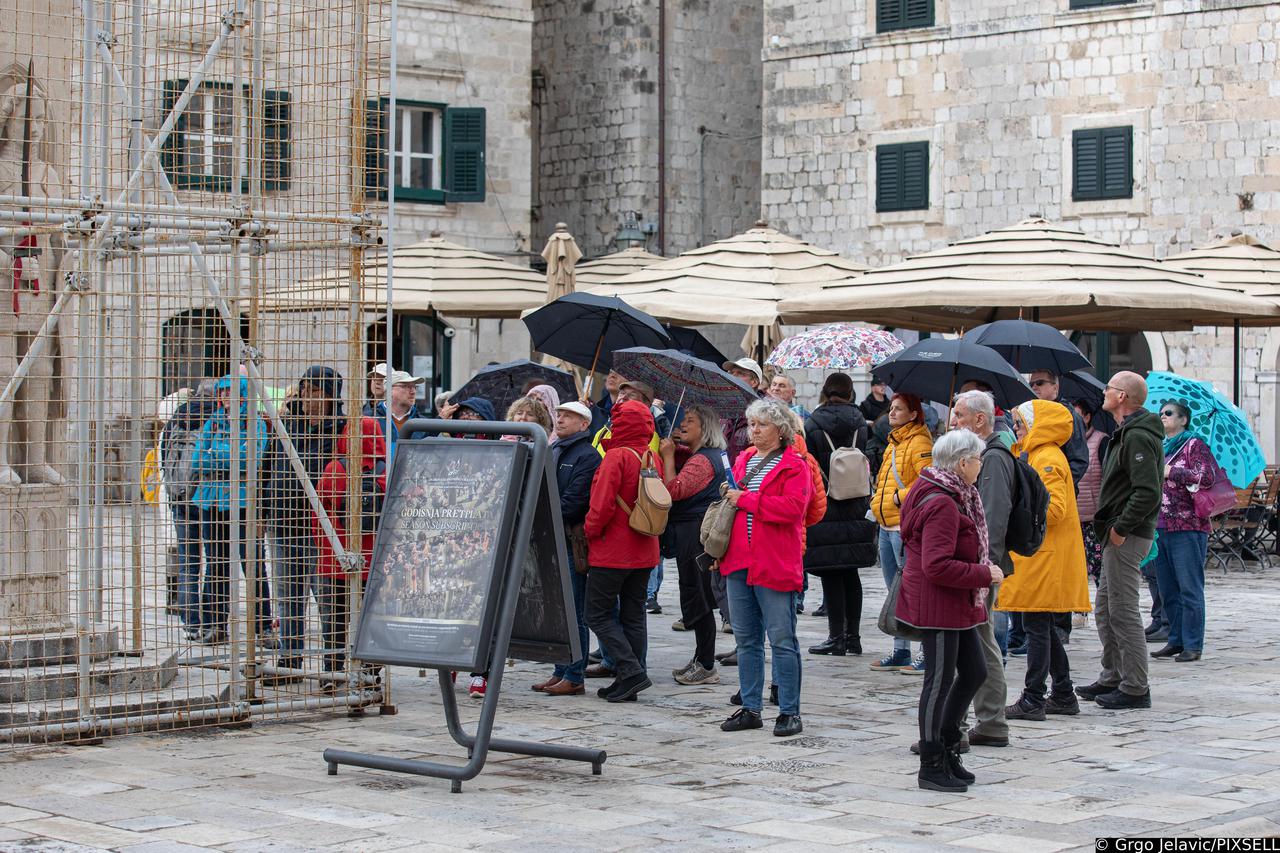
(1080, 620)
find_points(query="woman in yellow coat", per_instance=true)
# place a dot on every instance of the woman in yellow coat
(910, 451)
(1055, 578)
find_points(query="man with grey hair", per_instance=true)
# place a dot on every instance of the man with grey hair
(783, 388)
(975, 411)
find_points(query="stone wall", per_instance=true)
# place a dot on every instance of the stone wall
(596, 117)
(997, 88)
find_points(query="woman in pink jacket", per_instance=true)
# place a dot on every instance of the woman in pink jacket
(764, 567)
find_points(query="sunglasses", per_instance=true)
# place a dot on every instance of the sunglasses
(1168, 413)
(1037, 383)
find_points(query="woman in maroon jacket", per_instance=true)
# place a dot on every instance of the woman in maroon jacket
(620, 558)
(944, 580)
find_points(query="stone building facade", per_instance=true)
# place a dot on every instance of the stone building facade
(598, 113)
(1001, 95)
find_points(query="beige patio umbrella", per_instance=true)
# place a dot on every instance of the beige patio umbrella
(562, 255)
(740, 279)
(1034, 269)
(608, 268)
(432, 276)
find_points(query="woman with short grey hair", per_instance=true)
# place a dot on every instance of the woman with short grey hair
(777, 413)
(954, 447)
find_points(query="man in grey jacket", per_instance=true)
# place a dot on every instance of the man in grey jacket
(975, 411)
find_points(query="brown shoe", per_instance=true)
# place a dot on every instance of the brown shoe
(597, 670)
(541, 686)
(565, 688)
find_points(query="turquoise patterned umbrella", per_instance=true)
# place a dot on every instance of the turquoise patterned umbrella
(1215, 419)
(835, 346)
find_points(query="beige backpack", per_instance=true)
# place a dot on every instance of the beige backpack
(653, 501)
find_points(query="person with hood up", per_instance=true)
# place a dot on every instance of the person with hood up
(943, 593)
(312, 418)
(764, 564)
(909, 451)
(219, 510)
(1125, 521)
(332, 577)
(1053, 580)
(470, 409)
(620, 558)
(844, 540)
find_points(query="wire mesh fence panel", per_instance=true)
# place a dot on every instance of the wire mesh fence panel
(189, 190)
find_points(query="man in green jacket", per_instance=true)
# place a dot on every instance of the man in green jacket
(1125, 523)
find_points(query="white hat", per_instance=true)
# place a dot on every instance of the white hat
(576, 408)
(404, 377)
(378, 370)
(746, 364)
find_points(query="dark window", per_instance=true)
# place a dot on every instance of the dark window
(439, 152)
(902, 177)
(1093, 4)
(1102, 163)
(200, 152)
(903, 14)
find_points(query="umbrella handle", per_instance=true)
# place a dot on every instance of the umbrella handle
(586, 393)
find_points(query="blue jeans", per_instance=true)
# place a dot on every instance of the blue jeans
(294, 566)
(892, 557)
(186, 523)
(759, 612)
(1179, 567)
(655, 581)
(215, 596)
(574, 672)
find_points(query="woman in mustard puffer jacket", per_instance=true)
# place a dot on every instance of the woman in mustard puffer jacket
(910, 451)
(1055, 578)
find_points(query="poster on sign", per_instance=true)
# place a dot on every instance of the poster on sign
(439, 563)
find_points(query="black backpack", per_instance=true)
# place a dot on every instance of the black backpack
(1028, 509)
(371, 496)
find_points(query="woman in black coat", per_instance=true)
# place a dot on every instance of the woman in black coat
(844, 540)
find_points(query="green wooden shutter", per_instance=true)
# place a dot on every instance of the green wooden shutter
(889, 15)
(917, 13)
(1093, 4)
(902, 177)
(1086, 182)
(888, 178)
(173, 154)
(376, 122)
(276, 147)
(1117, 162)
(464, 150)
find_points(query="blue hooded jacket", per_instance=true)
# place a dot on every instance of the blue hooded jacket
(211, 461)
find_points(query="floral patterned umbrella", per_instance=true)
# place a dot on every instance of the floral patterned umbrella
(835, 346)
(1215, 419)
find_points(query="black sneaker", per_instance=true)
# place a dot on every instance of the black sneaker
(742, 720)
(821, 611)
(1018, 651)
(773, 694)
(787, 725)
(651, 605)
(1118, 700)
(604, 692)
(736, 699)
(1021, 710)
(1092, 691)
(595, 657)
(1068, 707)
(628, 687)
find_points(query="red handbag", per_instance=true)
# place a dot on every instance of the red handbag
(1216, 499)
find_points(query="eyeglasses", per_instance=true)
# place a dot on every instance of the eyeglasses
(1038, 382)
(1117, 390)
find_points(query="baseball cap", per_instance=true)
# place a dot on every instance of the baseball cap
(404, 377)
(577, 408)
(746, 364)
(379, 369)
(645, 389)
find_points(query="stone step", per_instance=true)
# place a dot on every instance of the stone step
(56, 647)
(151, 669)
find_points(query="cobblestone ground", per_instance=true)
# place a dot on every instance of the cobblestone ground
(1204, 760)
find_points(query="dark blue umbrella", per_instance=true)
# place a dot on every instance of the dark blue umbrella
(936, 368)
(680, 379)
(585, 329)
(1082, 385)
(693, 342)
(1029, 346)
(502, 384)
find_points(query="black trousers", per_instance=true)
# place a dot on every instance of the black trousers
(842, 593)
(626, 637)
(1046, 657)
(954, 670)
(697, 599)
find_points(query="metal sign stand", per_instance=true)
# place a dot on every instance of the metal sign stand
(479, 744)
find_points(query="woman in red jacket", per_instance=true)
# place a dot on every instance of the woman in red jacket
(764, 566)
(944, 580)
(332, 578)
(620, 558)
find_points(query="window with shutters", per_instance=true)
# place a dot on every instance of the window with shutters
(201, 152)
(1094, 4)
(903, 14)
(902, 177)
(438, 152)
(1102, 163)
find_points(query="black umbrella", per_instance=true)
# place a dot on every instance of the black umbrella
(585, 330)
(693, 342)
(1082, 385)
(1029, 346)
(936, 368)
(502, 384)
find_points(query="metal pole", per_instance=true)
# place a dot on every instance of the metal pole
(120, 206)
(1235, 363)
(391, 258)
(257, 544)
(238, 565)
(101, 303)
(135, 330)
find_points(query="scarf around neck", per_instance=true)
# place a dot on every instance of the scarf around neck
(1174, 443)
(969, 501)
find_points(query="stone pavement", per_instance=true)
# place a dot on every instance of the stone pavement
(1204, 760)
